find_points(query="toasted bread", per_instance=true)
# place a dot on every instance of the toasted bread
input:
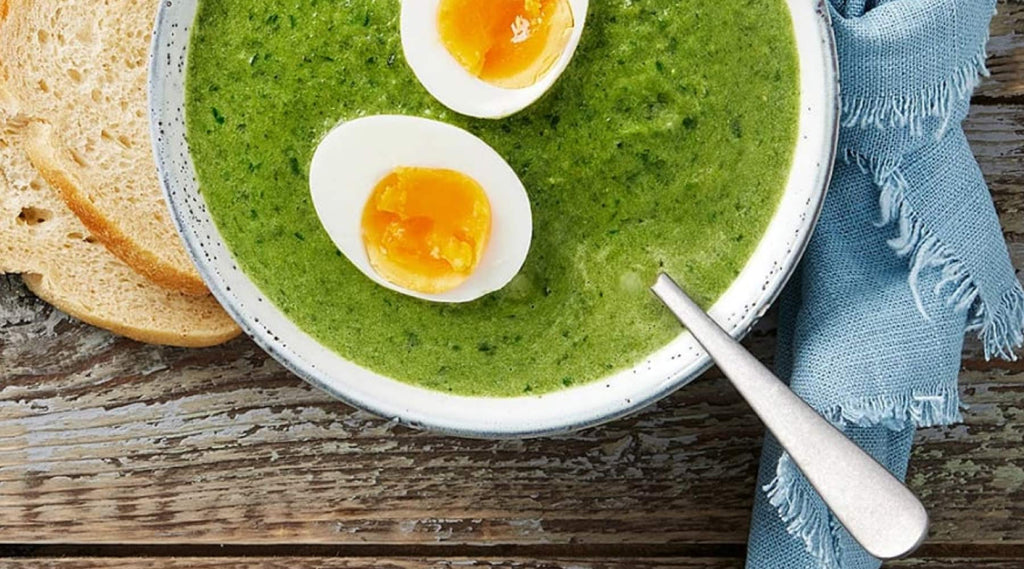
(78, 70)
(60, 261)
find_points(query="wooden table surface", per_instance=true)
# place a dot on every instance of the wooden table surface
(117, 454)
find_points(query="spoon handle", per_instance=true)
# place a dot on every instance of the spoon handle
(880, 512)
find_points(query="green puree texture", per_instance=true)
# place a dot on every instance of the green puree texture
(665, 145)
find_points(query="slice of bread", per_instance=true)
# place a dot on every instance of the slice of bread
(64, 265)
(78, 69)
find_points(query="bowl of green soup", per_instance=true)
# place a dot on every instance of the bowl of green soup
(693, 137)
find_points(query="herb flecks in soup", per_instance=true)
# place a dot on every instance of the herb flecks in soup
(665, 145)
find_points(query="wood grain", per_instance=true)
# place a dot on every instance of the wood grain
(117, 442)
(996, 133)
(328, 563)
(956, 563)
(1006, 52)
(454, 563)
(148, 444)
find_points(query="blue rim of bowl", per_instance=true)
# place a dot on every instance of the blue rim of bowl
(313, 376)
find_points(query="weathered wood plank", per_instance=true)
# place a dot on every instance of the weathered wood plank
(333, 563)
(451, 563)
(143, 443)
(956, 563)
(1006, 52)
(996, 134)
(997, 138)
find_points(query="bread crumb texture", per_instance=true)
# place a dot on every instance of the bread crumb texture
(78, 70)
(63, 263)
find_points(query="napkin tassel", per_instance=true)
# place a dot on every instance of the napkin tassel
(1000, 329)
(911, 111)
(1004, 331)
(804, 514)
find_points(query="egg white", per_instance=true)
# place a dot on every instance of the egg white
(354, 157)
(458, 89)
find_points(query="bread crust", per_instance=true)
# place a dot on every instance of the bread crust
(61, 262)
(205, 339)
(38, 146)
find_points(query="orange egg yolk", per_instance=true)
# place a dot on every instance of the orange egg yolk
(426, 229)
(508, 43)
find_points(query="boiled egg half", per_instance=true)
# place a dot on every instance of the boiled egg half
(421, 207)
(490, 58)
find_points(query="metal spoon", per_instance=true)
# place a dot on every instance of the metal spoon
(880, 512)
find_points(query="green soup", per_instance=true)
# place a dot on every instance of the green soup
(665, 146)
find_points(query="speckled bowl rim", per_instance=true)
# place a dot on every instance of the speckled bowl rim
(567, 410)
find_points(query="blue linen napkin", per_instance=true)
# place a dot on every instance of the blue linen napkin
(907, 256)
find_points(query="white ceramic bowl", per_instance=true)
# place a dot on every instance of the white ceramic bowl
(570, 409)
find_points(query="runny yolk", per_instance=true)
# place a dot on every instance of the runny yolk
(508, 43)
(426, 229)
